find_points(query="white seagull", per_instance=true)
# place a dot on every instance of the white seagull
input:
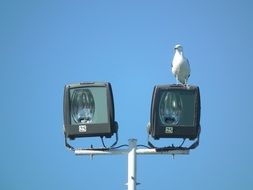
(180, 65)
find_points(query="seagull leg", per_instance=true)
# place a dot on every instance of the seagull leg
(186, 84)
(177, 80)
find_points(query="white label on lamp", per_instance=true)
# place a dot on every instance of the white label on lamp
(169, 130)
(82, 128)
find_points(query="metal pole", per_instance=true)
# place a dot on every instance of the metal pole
(139, 151)
(132, 152)
(132, 164)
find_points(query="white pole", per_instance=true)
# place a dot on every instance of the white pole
(139, 151)
(132, 152)
(132, 164)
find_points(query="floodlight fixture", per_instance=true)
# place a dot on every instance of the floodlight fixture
(89, 110)
(175, 112)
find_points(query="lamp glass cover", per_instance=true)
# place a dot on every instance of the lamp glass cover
(177, 108)
(170, 108)
(88, 105)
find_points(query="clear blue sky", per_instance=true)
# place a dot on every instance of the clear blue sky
(47, 44)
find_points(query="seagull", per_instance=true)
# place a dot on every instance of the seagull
(180, 65)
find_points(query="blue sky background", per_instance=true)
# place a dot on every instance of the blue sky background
(47, 44)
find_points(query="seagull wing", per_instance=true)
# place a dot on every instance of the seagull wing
(189, 68)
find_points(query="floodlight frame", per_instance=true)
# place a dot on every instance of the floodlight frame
(73, 131)
(157, 129)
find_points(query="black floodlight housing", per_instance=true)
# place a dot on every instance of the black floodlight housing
(175, 112)
(89, 110)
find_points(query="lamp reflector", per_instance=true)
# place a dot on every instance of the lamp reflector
(82, 106)
(170, 108)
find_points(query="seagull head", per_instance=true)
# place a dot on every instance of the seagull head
(178, 47)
